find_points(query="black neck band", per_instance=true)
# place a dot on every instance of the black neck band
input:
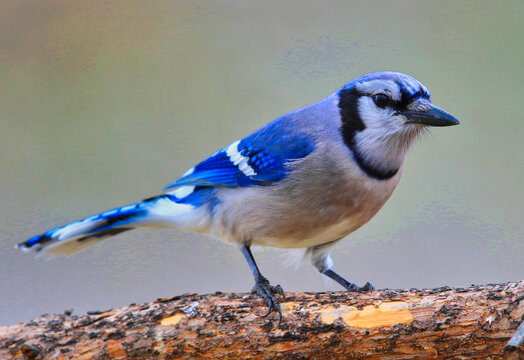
(351, 124)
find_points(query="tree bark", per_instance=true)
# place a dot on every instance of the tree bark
(473, 322)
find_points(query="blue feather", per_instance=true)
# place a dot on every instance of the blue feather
(104, 222)
(258, 159)
(410, 88)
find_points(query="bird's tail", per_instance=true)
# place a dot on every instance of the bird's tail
(162, 210)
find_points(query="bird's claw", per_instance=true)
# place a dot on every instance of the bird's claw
(367, 287)
(267, 292)
(361, 289)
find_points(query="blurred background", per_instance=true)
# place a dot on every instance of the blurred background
(104, 103)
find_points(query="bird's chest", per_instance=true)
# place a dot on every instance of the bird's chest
(329, 212)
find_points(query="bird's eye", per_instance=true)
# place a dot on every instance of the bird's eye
(381, 100)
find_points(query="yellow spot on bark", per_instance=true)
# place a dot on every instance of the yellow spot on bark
(172, 320)
(386, 314)
(330, 313)
(288, 307)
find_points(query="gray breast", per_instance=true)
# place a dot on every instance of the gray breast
(324, 198)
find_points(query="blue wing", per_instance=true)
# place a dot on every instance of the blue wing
(258, 159)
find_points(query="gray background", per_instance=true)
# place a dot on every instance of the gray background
(104, 104)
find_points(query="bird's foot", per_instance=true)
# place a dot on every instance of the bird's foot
(267, 292)
(355, 288)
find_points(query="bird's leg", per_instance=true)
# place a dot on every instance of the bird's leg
(322, 261)
(262, 286)
(348, 285)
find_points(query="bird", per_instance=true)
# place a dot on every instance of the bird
(305, 180)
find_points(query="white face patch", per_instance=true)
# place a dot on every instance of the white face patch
(239, 160)
(374, 87)
(385, 140)
(381, 121)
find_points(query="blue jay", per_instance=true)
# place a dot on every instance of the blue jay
(304, 180)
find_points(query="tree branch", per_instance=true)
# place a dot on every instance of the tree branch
(471, 322)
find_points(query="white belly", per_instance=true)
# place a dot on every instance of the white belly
(317, 237)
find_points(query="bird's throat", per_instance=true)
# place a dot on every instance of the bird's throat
(376, 170)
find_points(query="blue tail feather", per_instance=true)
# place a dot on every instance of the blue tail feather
(101, 225)
(162, 210)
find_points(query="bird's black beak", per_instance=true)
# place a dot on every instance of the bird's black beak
(433, 117)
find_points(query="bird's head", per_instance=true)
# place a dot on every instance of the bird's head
(382, 114)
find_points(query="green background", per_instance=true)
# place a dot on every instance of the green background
(103, 104)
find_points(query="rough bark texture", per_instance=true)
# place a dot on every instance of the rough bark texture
(456, 323)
